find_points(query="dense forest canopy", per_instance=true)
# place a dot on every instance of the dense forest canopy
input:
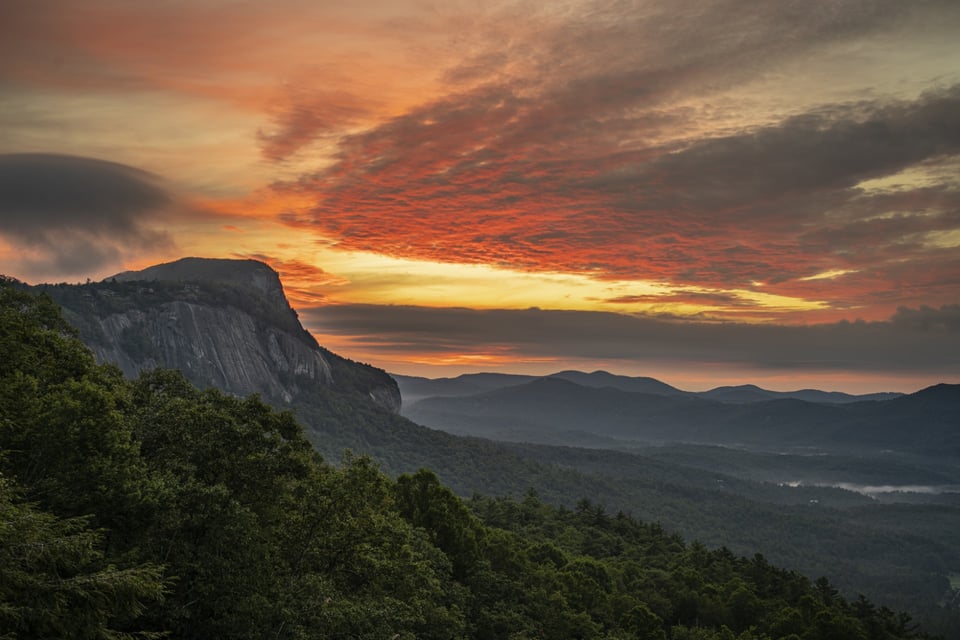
(148, 507)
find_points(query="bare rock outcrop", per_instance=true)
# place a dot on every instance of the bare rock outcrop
(223, 323)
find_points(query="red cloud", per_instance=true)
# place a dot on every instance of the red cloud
(541, 183)
(572, 141)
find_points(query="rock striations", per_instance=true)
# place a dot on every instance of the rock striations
(221, 322)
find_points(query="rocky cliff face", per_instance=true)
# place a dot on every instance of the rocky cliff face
(223, 323)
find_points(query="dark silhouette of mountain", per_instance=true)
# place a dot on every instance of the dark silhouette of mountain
(552, 405)
(414, 388)
(600, 379)
(934, 396)
(752, 393)
(928, 420)
(544, 410)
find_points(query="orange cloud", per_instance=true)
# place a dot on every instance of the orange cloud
(487, 177)
(653, 145)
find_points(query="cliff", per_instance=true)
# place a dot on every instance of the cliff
(225, 323)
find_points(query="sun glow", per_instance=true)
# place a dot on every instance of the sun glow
(368, 278)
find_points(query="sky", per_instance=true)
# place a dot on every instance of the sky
(704, 191)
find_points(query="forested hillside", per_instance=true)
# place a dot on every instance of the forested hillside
(228, 312)
(137, 508)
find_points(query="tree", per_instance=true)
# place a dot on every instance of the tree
(62, 417)
(425, 503)
(55, 583)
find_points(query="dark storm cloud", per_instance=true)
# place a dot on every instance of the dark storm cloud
(914, 340)
(75, 215)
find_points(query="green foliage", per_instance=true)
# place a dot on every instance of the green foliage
(216, 518)
(428, 505)
(63, 426)
(639, 582)
(894, 554)
(54, 582)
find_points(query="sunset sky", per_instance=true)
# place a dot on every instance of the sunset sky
(703, 191)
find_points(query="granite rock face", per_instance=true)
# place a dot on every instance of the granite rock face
(223, 323)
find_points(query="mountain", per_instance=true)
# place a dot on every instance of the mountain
(554, 410)
(252, 275)
(601, 379)
(223, 323)
(871, 547)
(752, 393)
(547, 407)
(414, 388)
(202, 515)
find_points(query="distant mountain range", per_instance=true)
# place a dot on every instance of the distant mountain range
(607, 411)
(416, 388)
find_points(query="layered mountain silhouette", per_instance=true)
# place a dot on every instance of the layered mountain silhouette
(604, 410)
(416, 388)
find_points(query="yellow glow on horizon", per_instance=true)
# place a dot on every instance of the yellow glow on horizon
(479, 360)
(356, 277)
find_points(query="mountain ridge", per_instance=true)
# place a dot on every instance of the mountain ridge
(417, 387)
(246, 273)
(544, 409)
(225, 323)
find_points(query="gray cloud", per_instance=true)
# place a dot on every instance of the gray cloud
(927, 319)
(914, 340)
(76, 215)
(833, 150)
